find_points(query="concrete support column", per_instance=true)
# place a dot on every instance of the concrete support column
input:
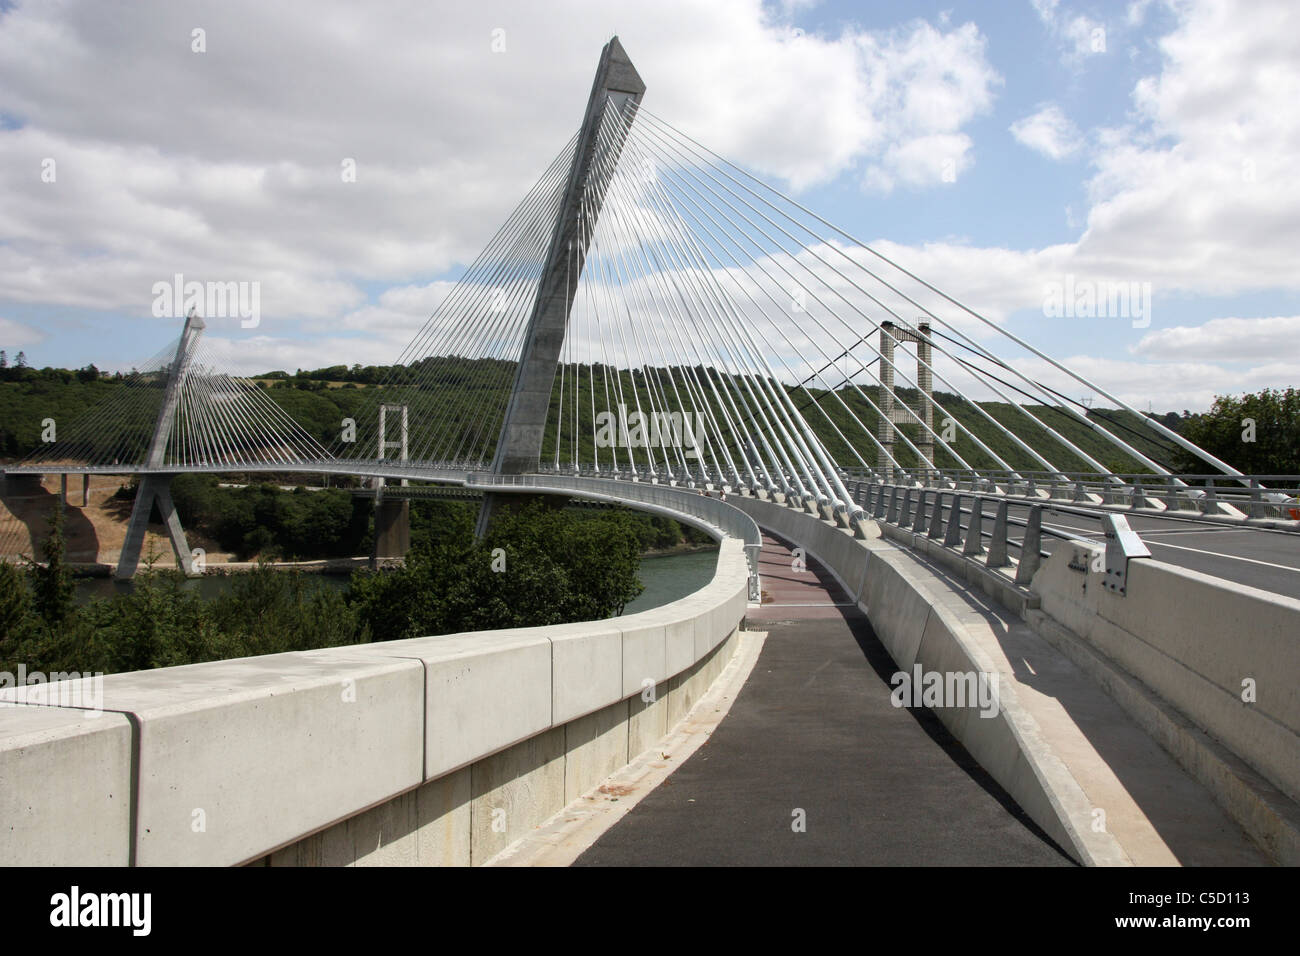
(925, 379)
(85, 490)
(392, 529)
(886, 402)
(153, 488)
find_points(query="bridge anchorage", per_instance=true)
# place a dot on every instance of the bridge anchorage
(651, 316)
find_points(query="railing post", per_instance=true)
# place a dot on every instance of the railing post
(905, 515)
(952, 535)
(1030, 547)
(919, 524)
(1171, 494)
(879, 511)
(936, 516)
(998, 543)
(975, 530)
(892, 515)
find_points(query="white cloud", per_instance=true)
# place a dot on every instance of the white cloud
(1228, 339)
(1198, 196)
(1049, 131)
(1164, 386)
(789, 8)
(226, 165)
(1080, 35)
(16, 335)
(927, 85)
(1136, 12)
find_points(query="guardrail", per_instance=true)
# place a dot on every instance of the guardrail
(1275, 497)
(944, 516)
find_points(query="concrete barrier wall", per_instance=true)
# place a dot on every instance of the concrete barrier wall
(438, 749)
(1200, 643)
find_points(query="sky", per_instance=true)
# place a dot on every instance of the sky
(352, 159)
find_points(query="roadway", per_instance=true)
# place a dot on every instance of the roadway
(1257, 557)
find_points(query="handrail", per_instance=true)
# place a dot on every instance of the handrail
(922, 510)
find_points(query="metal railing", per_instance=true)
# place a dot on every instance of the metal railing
(978, 526)
(1275, 497)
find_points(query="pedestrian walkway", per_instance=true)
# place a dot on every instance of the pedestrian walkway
(813, 764)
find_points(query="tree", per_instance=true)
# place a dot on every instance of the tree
(538, 565)
(4, 359)
(54, 590)
(15, 606)
(1258, 434)
(21, 360)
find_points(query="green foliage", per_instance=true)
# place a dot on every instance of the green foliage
(1225, 432)
(158, 623)
(54, 590)
(536, 566)
(15, 606)
(441, 522)
(262, 519)
(470, 396)
(540, 564)
(271, 612)
(28, 396)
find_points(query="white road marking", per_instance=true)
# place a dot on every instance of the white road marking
(1180, 547)
(1233, 557)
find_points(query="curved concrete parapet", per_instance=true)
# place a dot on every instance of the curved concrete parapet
(438, 749)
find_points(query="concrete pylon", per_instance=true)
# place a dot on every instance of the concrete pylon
(617, 86)
(156, 486)
(893, 415)
(392, 515)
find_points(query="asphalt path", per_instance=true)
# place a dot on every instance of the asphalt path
(813, 765)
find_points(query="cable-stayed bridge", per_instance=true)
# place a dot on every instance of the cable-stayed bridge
(654, 326)
(650, 312)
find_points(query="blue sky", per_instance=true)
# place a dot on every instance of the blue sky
(995, 149)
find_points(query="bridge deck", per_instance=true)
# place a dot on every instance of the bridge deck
(814, 728)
